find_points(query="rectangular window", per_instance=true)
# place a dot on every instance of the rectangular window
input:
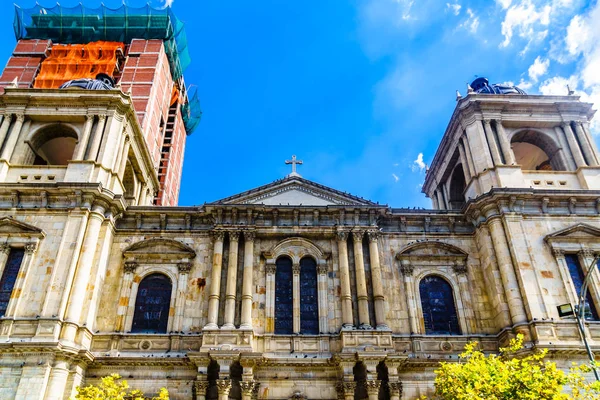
(9, 277)
(577, 277)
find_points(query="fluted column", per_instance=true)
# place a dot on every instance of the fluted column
(11, 141)
(84, 139)
(585, 145)
(296, 297)
(95, 146)
(223, 387)
(346, 295)
(378, 297)
(407, 272)
(247, 389)
(489, 134)
(573, 145)
(509, 156)
(347, 389)
(215, 284)
(395, 390)
(468, 154)
(231, 280)
(373, 389)
(129, 270)
(361, 281)
(184, 269)
(201, 387)
(84, 267)
(246, 318)
(4, 127)
(507, 272)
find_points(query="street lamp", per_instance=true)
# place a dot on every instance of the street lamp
(567, 310)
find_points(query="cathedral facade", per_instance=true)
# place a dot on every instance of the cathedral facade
(289, 290)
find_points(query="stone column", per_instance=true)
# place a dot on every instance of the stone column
(124, 156)
(270, 270)
(585, 145)
(223, 387)
(4, 252)
(95, 146)
(565, 150)
(346, 296)
(347, 389)
(563, 268)
(215, 284)
(322, 292)
(84, 267)
(17, 292)
(57, 381)
(361, 281)
(201, 387)
(507, 272)
(184, 269)
(586, 129)
(296, 297)
(440, 199)
(373, 389)
(465, 142)
(129, 269)
(4, 127)
(85, 137)
(11, 141)
(231, 287)
(489, 134)
(395, 390)
(573, 145)
(407, 271)
(247, 389)
(463, 161)
(246, 318)
(509, 157)
(378, 296)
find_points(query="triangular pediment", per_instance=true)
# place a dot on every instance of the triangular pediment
(159, 248)
(575, 232)
(295, 191)
(10, 226)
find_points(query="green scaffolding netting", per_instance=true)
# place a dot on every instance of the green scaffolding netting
(82, 25)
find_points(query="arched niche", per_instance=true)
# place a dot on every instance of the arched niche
(537, 151)
(296, 248)
(457, 188)
(52, 144)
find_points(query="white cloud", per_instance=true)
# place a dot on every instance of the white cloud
(455, 8)
(396, 179)
(523, 19)
(418, 164)
(538, 68)
(504, 3)
(169, 3)
(558, 85)
(471, 23)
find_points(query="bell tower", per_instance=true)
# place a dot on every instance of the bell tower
(500, 137)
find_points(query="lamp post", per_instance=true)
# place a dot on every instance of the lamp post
(566, 309)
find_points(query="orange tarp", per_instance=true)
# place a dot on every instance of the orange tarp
(76, 61)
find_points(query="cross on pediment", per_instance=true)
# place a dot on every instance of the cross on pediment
(294, 162)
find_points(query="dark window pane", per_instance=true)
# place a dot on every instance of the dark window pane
(152, 305)
(439, 311)
(309, 303)
(578, 277)
(284, 318)
(9, 277)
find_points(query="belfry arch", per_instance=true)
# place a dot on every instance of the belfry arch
(536, 151)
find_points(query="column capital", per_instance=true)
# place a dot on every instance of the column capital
(357, 235)
(322, 269)
(296, 269)
(270, 269)
(201, 387)
(248, 387)
(588, 253)
(30, 247)
(101, 117)
(20, 117)
(217, 236)
(487, 121)
(223, 386)
(89, 118)
(566, 124)
(373, 386)
(130, 266)
(342, 236)
(184, 267)
(373, 235)
(4, 248)
(460, 268)
(346, 387)
(395, 387)
(249, 236)
(558, 253)
(407, 269)
(234, 236)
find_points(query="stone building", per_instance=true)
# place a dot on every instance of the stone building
(292, 289)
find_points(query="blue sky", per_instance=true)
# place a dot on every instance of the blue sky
(361, 91)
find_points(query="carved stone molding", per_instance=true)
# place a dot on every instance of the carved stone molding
(184, 268)
(396, 387)
(20, 117)
(322, 269)
(201, 387)
(342, 236)
(346, 387)
(270, 269)
(248, 387)
(358, 235)
(130, 267)
(296, 269)
(234, 236)
(373, 236)
(223, 386)
(30, 248)
(407, 269)
(460, 269)
(297, 395)
(373, 387)
(4, 248)
(217, 236)
(588, 253)
(558, 253)
(249, 236)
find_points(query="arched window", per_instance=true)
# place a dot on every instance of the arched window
(53, 145)
(437, 302)
(534, 151)
(152, 305)
(457, 188)
(284, 318)
(309, 305)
